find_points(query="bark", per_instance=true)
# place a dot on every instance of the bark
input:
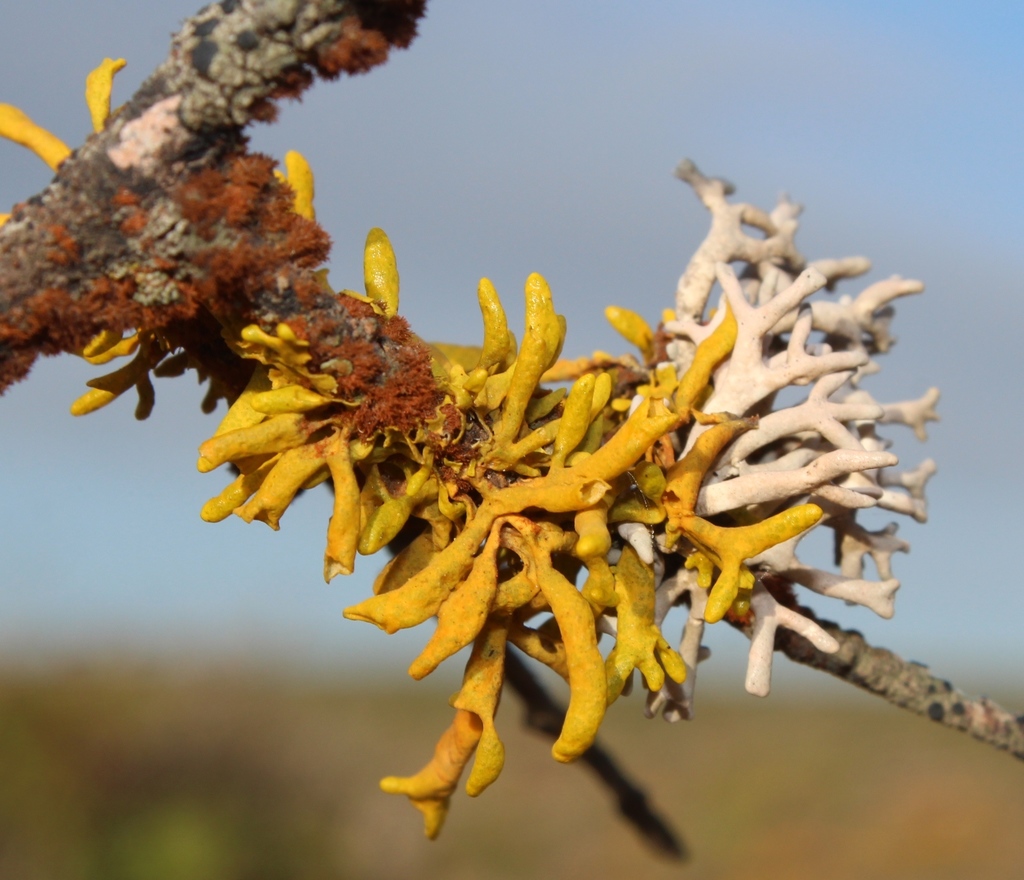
(903, 683)
(163, 215)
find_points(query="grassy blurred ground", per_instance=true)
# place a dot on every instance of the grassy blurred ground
(127, 773)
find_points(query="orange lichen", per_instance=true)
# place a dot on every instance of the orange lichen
(133, 224)
(66, 251)
(124, 198)
(355, 51)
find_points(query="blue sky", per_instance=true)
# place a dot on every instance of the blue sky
(527, 137)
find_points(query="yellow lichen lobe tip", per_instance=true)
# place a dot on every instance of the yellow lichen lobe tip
(496, 340)
(17, 127)
(380, 272)
(300, 179)
(633, 327)
(98, 85)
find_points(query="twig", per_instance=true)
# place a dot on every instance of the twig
(545, 716)
(903, 683)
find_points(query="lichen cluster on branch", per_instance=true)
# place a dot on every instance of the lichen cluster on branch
(529, 499)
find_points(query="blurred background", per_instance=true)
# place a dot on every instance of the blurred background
(172, 684)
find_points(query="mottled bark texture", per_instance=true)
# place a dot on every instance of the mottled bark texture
(164, 216)
(904, 683)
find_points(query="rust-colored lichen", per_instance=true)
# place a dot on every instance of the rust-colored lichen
(367, 36)
(407, 400)
(262, 251)
(241, 194)
(355, 51)
(124, 198)
(292, 83)
(65, 251)
(133, 224)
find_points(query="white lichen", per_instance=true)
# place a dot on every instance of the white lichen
(824, 448)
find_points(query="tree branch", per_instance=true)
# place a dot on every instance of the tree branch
(163, 215)
(903, 683)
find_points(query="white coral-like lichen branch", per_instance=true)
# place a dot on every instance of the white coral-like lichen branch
(824, 449)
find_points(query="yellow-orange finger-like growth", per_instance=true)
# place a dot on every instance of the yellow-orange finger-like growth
(16, 126)
(480, 694)
(725, 547)
(275, 434)
(496, 340)
(419, 598)
(108, 345)
(236, 493)
(380, 272)
(710, 353)
(639, 643)
(576, 419)
(591, 525)
(431, 789)
(649, 479)
(106, 389)
(407, 564)
(585, 666)
(300, 179)
(462, 615)
(634, 328)
(592, 546)
(728, 548)
(387, 520)
(344, 526)
(651, 420)
(286, 399)
(542, 406)
(517, 591)
(584, 484)
(284, 351)
(241, 413)
(292, 470)
(545, 332)
(540, 647)
(512, 456)
(98, 85)
(684, 478)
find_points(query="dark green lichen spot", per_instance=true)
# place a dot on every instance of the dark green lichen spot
(207, 27)
(228, 5)
(936, 712)
(247, 41)
(203, 55)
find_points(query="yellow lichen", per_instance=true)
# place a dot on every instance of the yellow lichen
(431, 789)
(727, 547)
(300, 179)
(507, 506)
(17, 127)
(639, 643)
(634, 328)
(98, 86)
